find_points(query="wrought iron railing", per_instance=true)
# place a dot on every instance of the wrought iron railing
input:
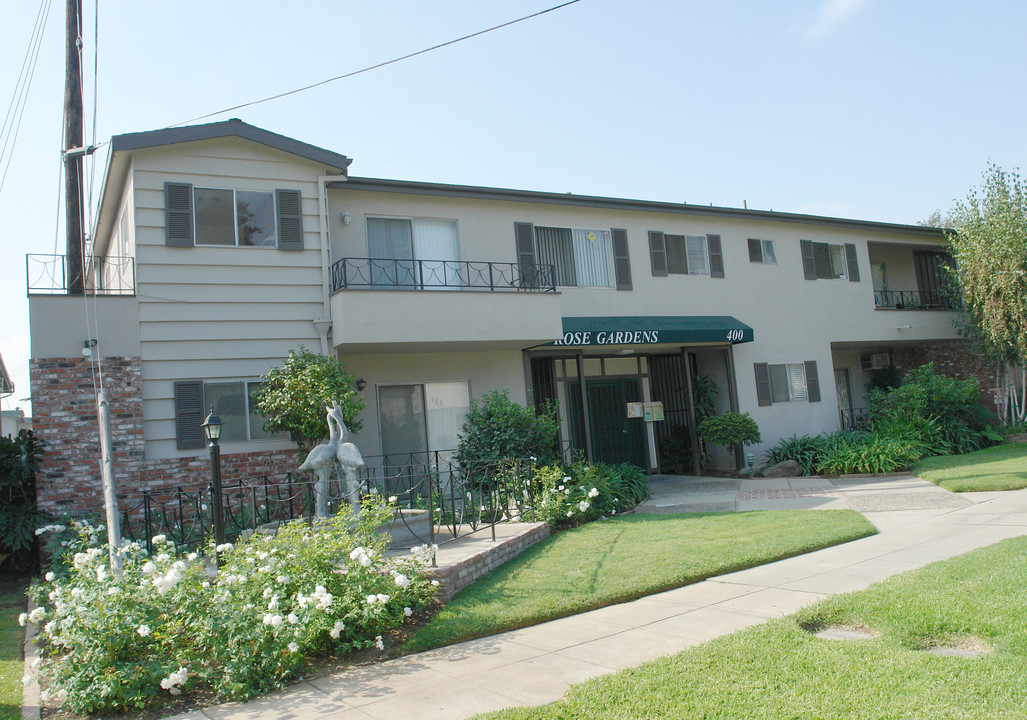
(460, 500)
(395, 274)
(915, 300)
(858, 419)
(48, 275)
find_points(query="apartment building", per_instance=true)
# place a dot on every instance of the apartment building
(220, 247)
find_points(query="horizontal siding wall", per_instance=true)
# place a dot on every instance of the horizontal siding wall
(219, 313)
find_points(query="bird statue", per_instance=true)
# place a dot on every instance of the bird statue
(348, 458)
(320, 461)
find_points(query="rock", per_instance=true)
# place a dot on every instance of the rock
(785, 468)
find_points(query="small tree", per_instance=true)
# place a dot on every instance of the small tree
(293, 396)
(730, 429)
(497, 428)
(20, 458)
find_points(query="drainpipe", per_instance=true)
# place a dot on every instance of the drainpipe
(324, 323)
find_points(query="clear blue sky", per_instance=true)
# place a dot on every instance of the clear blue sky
(868, 109)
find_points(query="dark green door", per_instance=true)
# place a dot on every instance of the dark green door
(615, 438)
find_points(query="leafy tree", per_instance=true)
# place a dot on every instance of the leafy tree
(497, 428)
(989, 242)
(729, 429)
(293, 396)
(20, 458)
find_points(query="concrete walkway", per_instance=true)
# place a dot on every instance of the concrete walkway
(919, 523)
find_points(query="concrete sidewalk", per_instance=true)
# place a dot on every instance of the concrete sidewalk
(918, 522)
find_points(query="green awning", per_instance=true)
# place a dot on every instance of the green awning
(653, 330)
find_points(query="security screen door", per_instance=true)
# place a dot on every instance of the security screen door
(419, 419)
(616, 438)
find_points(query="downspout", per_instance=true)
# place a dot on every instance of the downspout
(324, 323)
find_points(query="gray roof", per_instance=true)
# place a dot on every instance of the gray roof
(6, 386)
(229, 128)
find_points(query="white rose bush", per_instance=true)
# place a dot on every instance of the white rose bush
(567, 497)
(170, 624)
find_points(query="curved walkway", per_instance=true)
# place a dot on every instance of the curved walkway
(919, 523)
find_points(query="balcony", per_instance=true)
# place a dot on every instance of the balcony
(915, 300)
(49, 275)
(397, 274)
(397, 305)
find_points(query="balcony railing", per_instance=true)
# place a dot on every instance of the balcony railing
(914, 300)
(396, 274)
(48, 275)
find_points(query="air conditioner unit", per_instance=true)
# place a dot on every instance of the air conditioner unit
(879, 361)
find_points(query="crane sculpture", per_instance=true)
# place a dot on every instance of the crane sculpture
(320, 461)
(348, 458)
(343, 456)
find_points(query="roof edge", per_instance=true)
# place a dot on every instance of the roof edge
(491, 193)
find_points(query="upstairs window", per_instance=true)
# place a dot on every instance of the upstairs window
(685, 254)
(232, 218)
(822, 261)
(580, 257)
(413, 253)
(762, 251)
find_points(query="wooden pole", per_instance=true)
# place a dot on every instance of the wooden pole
(73, 140)
(110, 496)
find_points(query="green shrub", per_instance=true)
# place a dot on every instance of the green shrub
(497, 428)
(586, 492)
(20, 457)
(870, 454)
(164, 627)
(730, 429)
(807, 450)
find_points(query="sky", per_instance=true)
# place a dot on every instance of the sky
(867, 109)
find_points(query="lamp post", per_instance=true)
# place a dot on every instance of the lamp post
(212, 430)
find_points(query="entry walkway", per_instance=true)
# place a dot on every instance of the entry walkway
(918, 522)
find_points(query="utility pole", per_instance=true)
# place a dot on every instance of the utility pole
(73, 140)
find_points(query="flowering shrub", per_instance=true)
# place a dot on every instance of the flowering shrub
(169, 624)
(586, 492)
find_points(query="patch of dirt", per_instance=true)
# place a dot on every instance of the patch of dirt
(969, 646)
(317, 667)
(843, 632)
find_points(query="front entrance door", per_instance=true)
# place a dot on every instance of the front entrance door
(616, 438)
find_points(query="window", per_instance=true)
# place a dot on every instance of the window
(787, 382)
(232, 218)
(580, 257)
(821, 261)
(233, 401)
(415, 419)
(762, 251)
(413, 253)
(685, 254)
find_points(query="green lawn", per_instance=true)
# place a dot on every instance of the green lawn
(778, 670)
(627, 557)
(1003, 467)
(12, 635)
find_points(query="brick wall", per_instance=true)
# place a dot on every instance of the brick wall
(64, 417)
(953, 359)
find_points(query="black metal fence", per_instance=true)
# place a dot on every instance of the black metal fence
(915, 300)
(399, 274)
(48, 275)
(456, 499)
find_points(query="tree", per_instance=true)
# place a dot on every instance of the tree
(730, 429)
(293, 396)
(989, 242)
(497, 428)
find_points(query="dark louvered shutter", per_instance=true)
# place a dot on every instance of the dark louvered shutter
(290, 220)
(621, 262)
(189, 414)
(658, 253)
(178, 214)
(850, 261)
(812, 381)
(716, 256)
(525, 234)
(762, 384)
(809, 266)
(755, 251)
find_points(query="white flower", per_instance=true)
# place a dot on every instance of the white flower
(272, 620)
(337, 629)
(159, 539)
(77, 592)
(293, 647)
(372, 599)
(173, 682)
(191, 557)
(49, 577)
(570, 513)
(267, 593)
(282, 579)
(593, 493)
(148, 568)
(567, 491)
(223, 547)
(37, 615)
(560, 488)
(161, 557)
(401, 580)
(583, 505)
(379, 643)
(26, 679)
(101, 573)
(291, 617)
(435, 583)
(383, 598)
(273, 603)
(392, 498)
(323, 598)
(407, 611)
(144, 630)
(23, 618)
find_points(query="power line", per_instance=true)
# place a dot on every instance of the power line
(378, 65)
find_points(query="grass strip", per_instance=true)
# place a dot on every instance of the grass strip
(779, 670)
(1003, 467)
(12, 635)
(625, 558)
